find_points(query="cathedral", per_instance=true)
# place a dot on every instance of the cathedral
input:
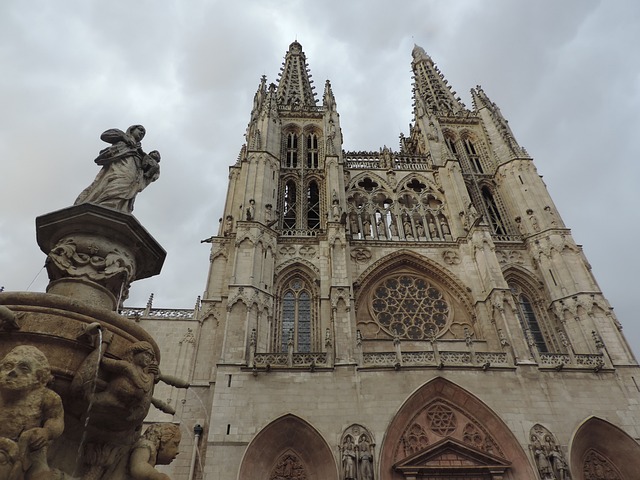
(419, 313)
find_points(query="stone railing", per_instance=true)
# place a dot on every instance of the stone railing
(396, 161)
(294, 360)
(592, 361)
(300, 232)
(169, 313)
(435, 359)
(507, 238)
(554, 359)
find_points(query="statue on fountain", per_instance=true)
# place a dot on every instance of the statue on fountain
(129, 385)
(157, 446)
(31, 415)
(126, 170)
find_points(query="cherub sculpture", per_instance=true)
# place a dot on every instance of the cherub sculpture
(126, 170)
(157, 446)
(31, 415)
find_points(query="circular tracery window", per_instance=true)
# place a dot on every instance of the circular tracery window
(410, 307)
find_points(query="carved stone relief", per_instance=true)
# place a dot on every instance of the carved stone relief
(510, 256)
(549, 458)
(361, 255)
(289, 467)
(451, 258)
(599, 467)
(441, 419)
(356, 454)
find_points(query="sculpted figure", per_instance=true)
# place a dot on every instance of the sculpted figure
(31, 415)
(10, 467)
(157, 446)
(126, 170)
(366, 459)
(348, 460)
(393, 228)
(130, 386)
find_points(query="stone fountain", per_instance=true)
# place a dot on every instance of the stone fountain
(76, 378)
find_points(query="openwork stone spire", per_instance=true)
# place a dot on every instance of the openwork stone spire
(295, 88)
(481, 101)
(430, 89)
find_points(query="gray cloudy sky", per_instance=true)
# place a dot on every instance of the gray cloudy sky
(565, 74)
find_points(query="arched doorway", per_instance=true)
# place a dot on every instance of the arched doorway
(287, 449)
(443, 431)
(601, 451)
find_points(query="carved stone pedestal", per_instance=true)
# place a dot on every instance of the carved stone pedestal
(94, 253)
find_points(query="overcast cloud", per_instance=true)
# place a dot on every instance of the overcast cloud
(565, 74)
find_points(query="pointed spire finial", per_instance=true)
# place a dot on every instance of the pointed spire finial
(295, 88)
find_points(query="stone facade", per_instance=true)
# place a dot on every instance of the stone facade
(420, 313)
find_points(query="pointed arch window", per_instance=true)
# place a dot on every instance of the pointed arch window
(528, 319)
(494, 213)
(291, 154)
(313, 206)
(290, 205)
(452, 146)
(296, 316)
(474, 158)
(312, 150)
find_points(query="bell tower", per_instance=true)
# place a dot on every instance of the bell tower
(364, 310)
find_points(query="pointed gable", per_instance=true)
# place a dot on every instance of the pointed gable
(452, 457)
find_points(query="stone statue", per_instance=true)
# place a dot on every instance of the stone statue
(393, 228)
(268, 213)
(366, 227)
(559, 464)
(336, 210)
(420, 229)
(348, 460)
(10, 467)
(408, 231)
(228, 225)
(366, 459)
(127, 393)
(157, 446)
(251, 210)
(31, 415)
(126, 170)
(444, 226)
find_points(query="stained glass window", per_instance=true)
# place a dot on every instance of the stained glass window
(297, 316)
(528, 320)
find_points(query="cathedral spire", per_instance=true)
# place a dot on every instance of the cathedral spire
(295, 89)
(430, 89)
(483, 105)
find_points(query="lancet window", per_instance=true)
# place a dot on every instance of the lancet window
(297, 316)
(291, 153)
(290, 205)
(494, 213)
(472, 155)
(530, 318)
(312, 150)
(301, 186)
(313, 205)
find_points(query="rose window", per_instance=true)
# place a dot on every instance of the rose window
(410, 307)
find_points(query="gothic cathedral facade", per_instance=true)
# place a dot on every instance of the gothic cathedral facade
(383, 315)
